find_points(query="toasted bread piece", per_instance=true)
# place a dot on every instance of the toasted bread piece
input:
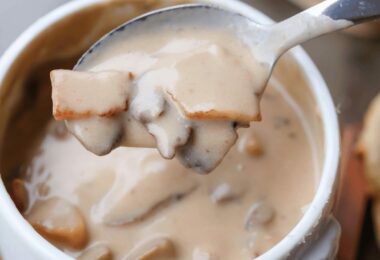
(369, 144)
(233, 97)
(83, 94)
(196, 112)
(59, 221)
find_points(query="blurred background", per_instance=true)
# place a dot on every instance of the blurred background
(350, 64)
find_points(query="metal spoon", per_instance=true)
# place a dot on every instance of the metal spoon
(268, 42)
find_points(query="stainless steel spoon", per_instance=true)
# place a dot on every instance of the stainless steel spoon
(268, 42)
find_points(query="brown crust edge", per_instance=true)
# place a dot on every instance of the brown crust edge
(213, 114)
(67, 114)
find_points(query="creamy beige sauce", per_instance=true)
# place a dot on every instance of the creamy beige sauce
(136, 205)
(191, 89)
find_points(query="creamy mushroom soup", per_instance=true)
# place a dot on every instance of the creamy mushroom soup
(133, 204)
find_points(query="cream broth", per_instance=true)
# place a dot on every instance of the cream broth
(133, 204)
(76, 200)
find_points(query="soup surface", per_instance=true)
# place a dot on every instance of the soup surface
(132, 203)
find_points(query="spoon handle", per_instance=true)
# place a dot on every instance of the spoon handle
(326, 17)
(353, 10)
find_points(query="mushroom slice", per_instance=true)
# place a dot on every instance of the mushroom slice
(60, 222)
(258, 215)
(155, 248)
(205, 151)
(170, 131)
(155, 184)
(83, 94)
(97, 134)
(96, 252)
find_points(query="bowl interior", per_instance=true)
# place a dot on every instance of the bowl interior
(56, 41)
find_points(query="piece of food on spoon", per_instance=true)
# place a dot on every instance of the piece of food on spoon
(78, 95)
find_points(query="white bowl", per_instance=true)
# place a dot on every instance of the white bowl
(18, 240)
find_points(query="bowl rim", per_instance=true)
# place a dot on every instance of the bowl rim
(313, 77)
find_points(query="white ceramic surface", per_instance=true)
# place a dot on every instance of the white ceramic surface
(18, 240)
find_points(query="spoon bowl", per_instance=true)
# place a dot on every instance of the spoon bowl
(195, 15)
(267, 42)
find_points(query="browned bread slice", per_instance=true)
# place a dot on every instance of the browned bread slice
(369, 144)
(83, 94)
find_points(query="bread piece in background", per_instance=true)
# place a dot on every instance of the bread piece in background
(369, 145)
(369, 149)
